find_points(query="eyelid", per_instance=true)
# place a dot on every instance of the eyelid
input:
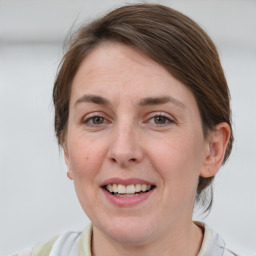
(92, 115)
(163, 114)
(170, 119)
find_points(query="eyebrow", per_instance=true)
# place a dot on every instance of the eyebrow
(93, 99)
(161, 100)
(143, 102)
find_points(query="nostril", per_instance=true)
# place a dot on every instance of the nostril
(123, 161)
(113, 160)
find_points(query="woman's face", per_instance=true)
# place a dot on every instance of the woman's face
(133, 124)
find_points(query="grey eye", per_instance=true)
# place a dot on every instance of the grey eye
(97, 120)
(160, 119)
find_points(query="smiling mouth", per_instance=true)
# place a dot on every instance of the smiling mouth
(132, 190)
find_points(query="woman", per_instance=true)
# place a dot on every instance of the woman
(142, 113)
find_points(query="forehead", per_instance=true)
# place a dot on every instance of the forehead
(115, 68)
(109, 57)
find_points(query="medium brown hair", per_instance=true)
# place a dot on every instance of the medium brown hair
(169, 38)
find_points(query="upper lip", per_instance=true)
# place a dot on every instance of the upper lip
(125, 182)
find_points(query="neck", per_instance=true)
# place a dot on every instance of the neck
(184, 240)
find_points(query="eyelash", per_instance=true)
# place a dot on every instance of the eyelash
(89, 121)
(167, 119)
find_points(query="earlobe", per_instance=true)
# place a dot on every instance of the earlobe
(216, 144)
(69, 174)
(67, 161)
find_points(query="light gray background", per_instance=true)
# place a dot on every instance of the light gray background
(37, 201)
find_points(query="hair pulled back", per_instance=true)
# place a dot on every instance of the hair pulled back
(169, 38)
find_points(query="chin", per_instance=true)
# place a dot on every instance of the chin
(130, 231)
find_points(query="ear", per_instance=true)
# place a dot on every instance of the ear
(67, 160)
(216, 144)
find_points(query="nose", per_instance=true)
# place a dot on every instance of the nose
(125, 149)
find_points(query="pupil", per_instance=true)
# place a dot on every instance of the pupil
(98, 120)
(160, 120)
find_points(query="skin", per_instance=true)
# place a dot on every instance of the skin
(128, 137)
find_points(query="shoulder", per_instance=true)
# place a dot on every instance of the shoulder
(213, 244)
(79, 242)
(40, 249)
(44, 248)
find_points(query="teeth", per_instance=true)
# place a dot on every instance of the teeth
(121, 189)
(114, 188)
(130, 189)
(110, 188)
(137, 188)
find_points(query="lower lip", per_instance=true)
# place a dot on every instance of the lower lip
(128, 201)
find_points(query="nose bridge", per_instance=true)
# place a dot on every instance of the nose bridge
(125, 148)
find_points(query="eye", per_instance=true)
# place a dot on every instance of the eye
(97, 120)
(94, 120)
(161, 119)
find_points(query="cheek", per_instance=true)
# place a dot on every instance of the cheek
(179, 160)
(86, 157)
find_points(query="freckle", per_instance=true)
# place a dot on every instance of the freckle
(87, 157)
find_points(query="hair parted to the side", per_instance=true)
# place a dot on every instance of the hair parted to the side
(169, 38)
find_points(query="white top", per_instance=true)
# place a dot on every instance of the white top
(79, 244)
